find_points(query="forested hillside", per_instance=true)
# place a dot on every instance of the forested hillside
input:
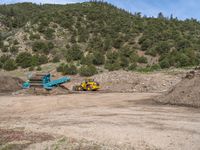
(91, 35)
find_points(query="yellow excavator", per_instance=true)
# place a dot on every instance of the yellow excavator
(87, 85)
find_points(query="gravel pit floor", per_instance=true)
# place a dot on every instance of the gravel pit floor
(98, 121)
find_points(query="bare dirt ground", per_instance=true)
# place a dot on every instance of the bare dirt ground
(96, 121)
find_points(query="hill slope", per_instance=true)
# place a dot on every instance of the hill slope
(94, 33)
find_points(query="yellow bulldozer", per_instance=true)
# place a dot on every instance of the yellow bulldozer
(87, 85)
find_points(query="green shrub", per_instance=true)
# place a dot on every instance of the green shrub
(34, 37)
(73, 39)
(69, 70)
(74, 53)
(164, 63)
(4, 49)
(112, 57)
(4, 58)
(14, 50)
(39, 68)
(60, 68)
(126, 51)
(112, 62)
(145, 69)
(148, 68)
(183, 44)
(49, 33)
(35, 60)
(87, 70)
(55, 26)
(39, 60)
(10, 65)
(56, 59)
(151, 52)
(99, 58)
(182, 60)
(162, 47)
(124, 62)
(50, 45)
(87, 60)
(1, 65)
(155, 67)
(67, 46)
(107, 44)
(24, 59)
(15, 42)
(118, 43)
(142, 59)
(1, 44)
(40, 47)
(41, 28)
(132, 66)
(83, 37)
(133, 58)
(112, 66)
(31, 68)
(43, 59)
(146, 44)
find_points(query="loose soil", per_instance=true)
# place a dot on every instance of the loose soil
(186, 93)
(101, 121)
(10, 84)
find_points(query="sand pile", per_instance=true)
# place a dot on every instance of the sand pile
(10, 84)
(186, 93)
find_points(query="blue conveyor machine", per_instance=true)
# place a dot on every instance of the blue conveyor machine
(45, 81)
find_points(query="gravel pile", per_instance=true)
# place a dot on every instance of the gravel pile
(123, 81)
(186, 93)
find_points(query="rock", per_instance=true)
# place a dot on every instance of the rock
(6, 43)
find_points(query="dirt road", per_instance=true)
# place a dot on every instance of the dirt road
(105, 121)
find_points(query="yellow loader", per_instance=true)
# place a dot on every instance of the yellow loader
(87, 85)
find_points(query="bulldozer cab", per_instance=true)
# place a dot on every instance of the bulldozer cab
(89, 80)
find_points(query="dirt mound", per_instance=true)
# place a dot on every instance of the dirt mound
(123, 81)
(41, 91)
(10, 84)
(186, 93)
